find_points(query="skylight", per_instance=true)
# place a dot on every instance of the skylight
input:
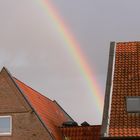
(133, 104)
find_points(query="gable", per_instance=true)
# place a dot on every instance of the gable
(26, 124)
(11, 99)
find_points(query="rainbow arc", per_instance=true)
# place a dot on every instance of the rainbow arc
(75, 50)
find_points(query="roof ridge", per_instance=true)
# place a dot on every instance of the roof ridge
(126, 41)
(80, 126)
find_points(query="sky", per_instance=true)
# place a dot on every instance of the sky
(33, 50)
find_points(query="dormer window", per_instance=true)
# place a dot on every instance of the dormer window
(5, 125)
(133, 104)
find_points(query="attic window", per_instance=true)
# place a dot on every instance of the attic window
(133, 104)
(5, 125)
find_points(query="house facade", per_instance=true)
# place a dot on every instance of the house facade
(17, 118)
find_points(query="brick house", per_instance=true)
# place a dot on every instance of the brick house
(25, 114)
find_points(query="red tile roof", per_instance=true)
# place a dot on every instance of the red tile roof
(49, 111)
(126, 82)
(81, 132)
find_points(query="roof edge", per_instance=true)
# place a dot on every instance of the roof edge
(63, 110)
(80, 126)
(107, 91)
(31, 88)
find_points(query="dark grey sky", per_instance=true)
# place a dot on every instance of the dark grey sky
(33, 51)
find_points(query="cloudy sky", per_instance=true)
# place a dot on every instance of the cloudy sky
(33, 51)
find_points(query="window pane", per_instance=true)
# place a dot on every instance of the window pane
(5, 123)
(133, 104)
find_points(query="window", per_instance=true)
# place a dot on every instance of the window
(133, 104)
(5, 125)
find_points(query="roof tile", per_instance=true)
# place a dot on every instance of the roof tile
(126, 82)
(82, 132)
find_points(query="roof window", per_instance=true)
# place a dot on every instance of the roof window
(133, 104)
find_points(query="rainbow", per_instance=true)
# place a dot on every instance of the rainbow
(75, 50)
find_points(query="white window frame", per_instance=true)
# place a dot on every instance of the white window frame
(7, 133)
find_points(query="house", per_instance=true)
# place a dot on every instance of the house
(121, 116)
(25, 114)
